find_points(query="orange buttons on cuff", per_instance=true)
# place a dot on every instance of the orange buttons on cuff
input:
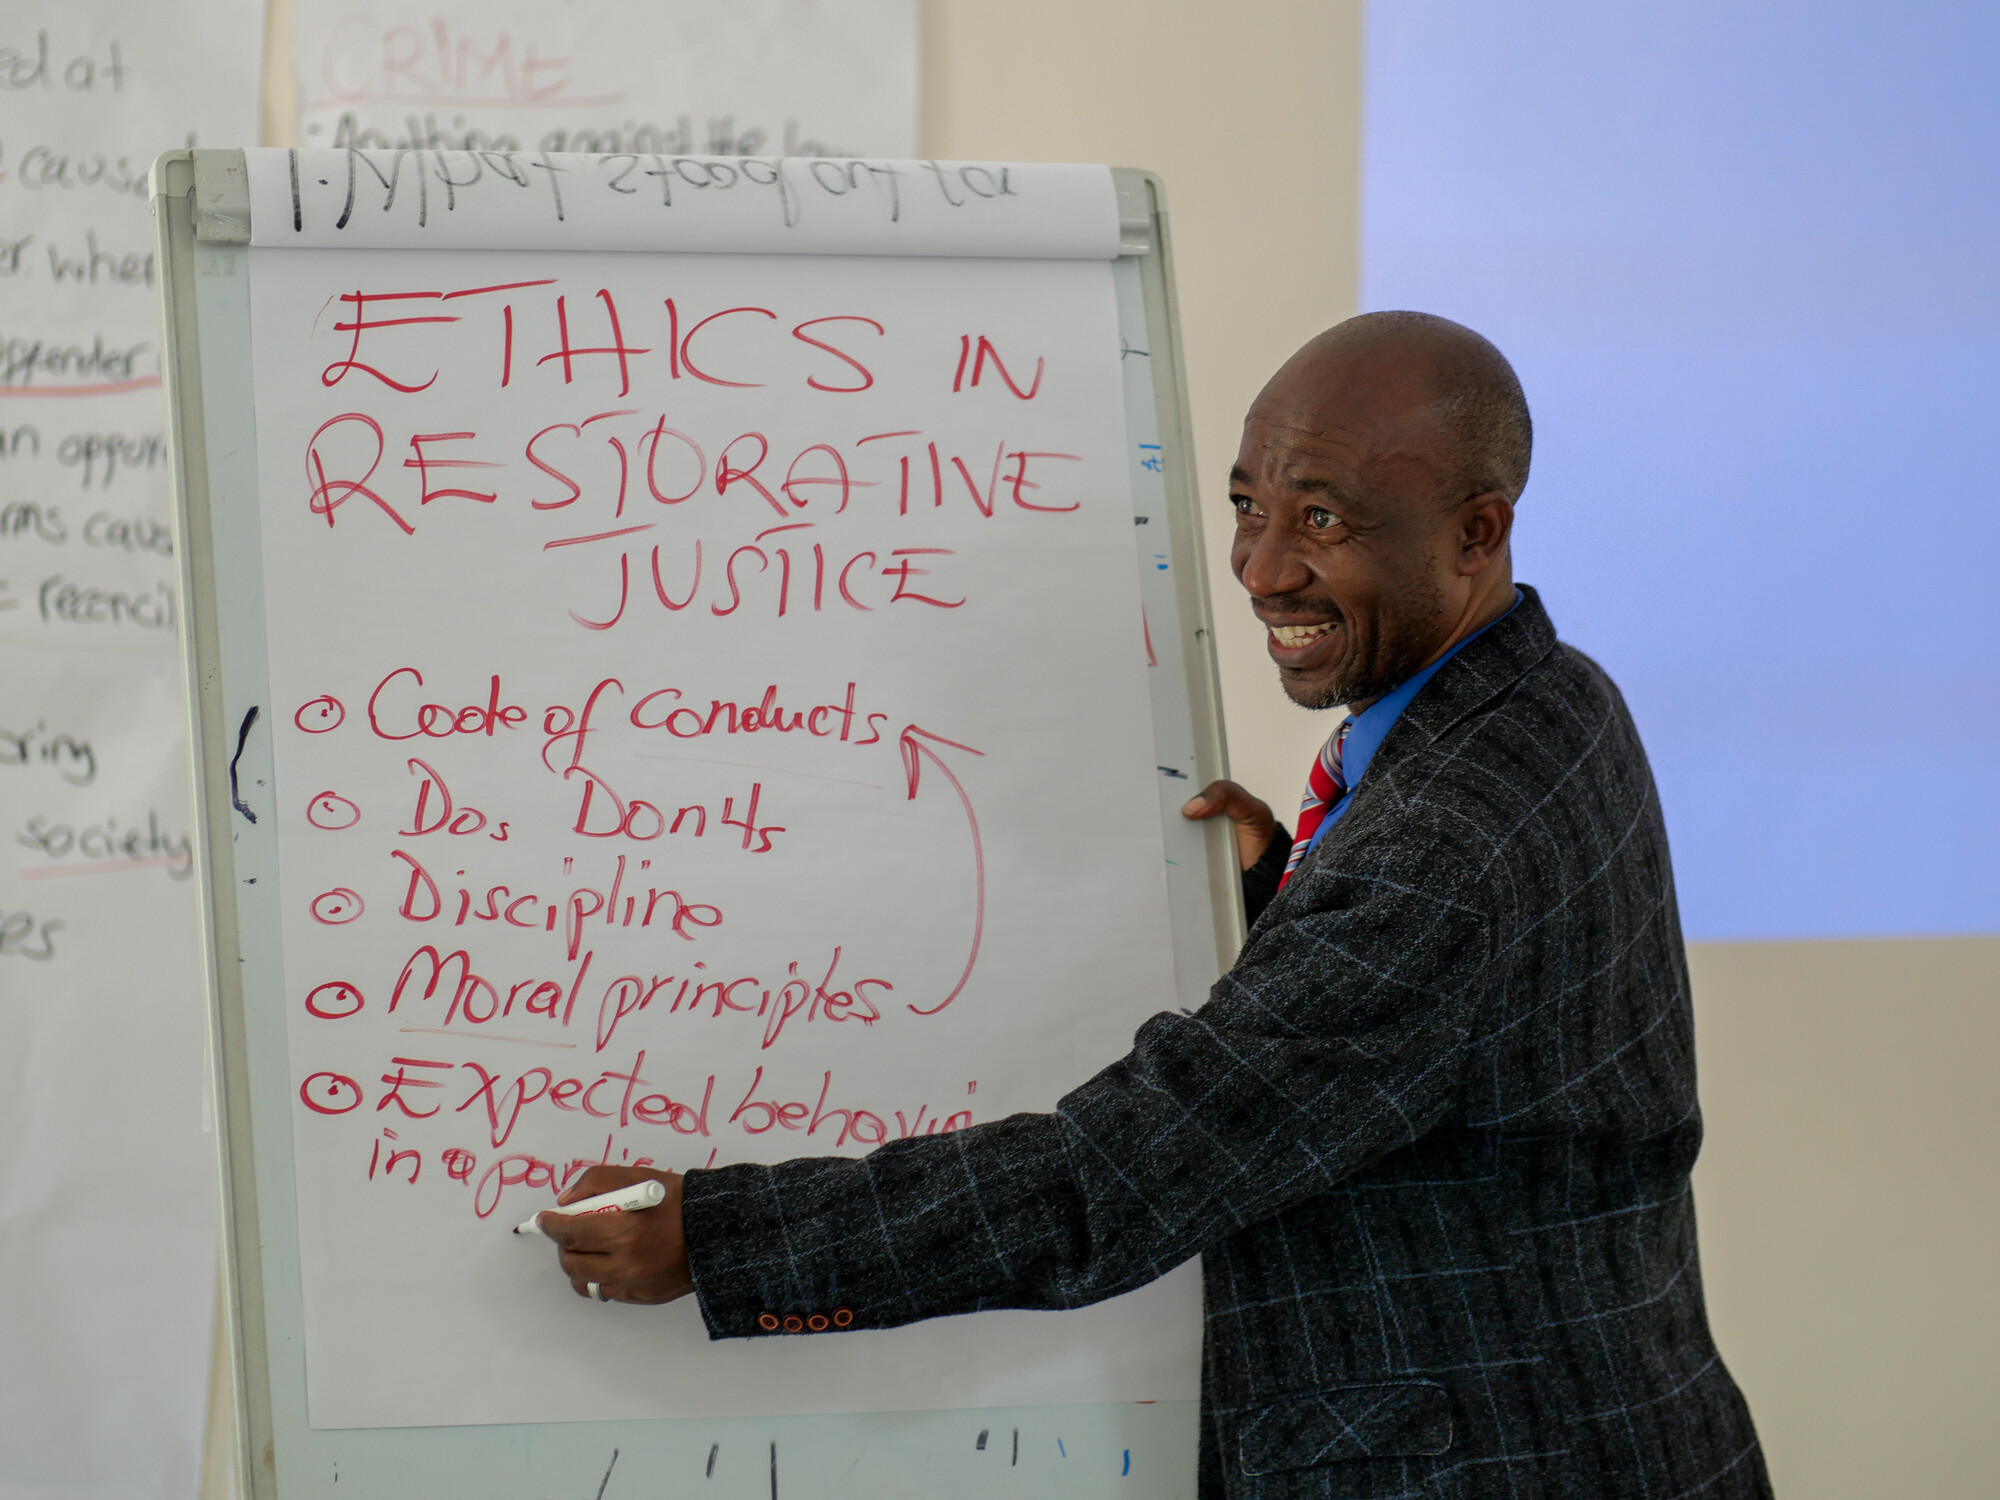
(817, 1322)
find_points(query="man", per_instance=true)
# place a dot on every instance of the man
(1432, 1132)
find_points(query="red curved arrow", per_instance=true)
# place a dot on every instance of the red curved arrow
(914, 752)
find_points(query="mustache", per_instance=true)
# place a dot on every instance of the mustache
(1286, 605)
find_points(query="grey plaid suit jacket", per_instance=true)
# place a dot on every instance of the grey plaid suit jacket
(1431, 1135)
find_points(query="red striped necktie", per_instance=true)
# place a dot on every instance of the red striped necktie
(1324, 786)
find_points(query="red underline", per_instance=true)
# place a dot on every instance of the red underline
(526, 1041)
(110, 388)
(467, 101)
(571, 541)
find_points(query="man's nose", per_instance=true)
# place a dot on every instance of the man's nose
(1272, 564)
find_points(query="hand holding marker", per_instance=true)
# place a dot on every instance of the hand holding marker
(624, 1200)
(624, 1244)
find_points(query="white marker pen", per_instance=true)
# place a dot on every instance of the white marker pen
(648, 1194)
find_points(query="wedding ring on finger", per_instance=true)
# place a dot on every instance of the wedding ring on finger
(596, 1290)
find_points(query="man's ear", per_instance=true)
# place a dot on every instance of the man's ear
(1485, 523)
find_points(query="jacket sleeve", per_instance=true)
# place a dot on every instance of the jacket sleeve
(1340, 1035)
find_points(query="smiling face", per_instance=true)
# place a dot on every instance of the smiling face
(1363, 536)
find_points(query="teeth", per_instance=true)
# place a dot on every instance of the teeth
(1291, 637)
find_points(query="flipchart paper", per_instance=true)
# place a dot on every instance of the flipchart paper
(826, 78)
(711, 724)
(107, 1174)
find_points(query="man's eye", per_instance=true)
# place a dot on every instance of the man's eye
(1321, 519)
(1245, 506)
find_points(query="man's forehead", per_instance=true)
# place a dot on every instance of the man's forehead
(1291, 446)
(1280, 436)
(1306, 430)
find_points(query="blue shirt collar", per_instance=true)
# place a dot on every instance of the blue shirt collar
(1372, 724)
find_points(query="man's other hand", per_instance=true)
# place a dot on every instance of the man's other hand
(1253, 820)
(638, 1256)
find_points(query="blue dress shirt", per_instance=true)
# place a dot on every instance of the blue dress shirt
(1372, 724)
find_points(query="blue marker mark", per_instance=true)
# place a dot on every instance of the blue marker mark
(1163, 560)
(1152, 461)
(1128, 1462)
(1061, 1449)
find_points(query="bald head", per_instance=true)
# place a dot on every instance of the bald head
(1407, 371)
(1374, 494)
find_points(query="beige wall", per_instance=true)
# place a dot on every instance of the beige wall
(1850, 1218)
(1850, 1208)
(1252, 114)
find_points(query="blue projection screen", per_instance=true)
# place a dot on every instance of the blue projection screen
(1747, 262)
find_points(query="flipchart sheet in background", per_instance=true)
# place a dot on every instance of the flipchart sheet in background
(665, 77)
(107, 1175)
(675, 739)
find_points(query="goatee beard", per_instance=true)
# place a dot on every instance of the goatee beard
(1335, 694)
